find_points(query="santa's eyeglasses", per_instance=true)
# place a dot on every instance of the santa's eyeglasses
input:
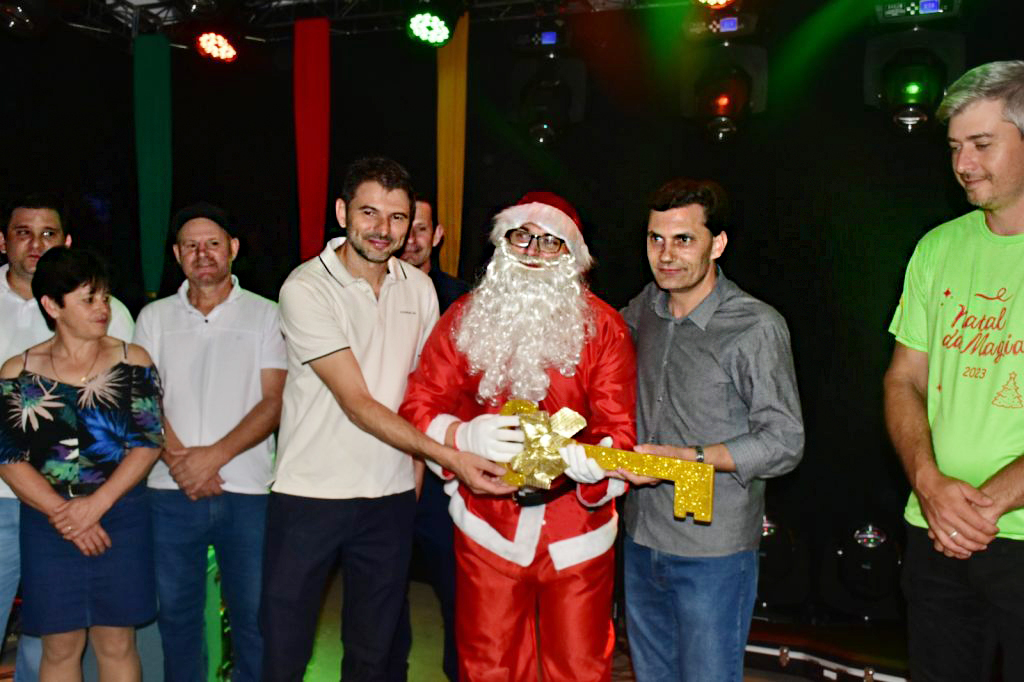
(546, 243)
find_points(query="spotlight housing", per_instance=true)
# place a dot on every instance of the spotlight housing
(25, 18)
(550, 95)
(906, 73)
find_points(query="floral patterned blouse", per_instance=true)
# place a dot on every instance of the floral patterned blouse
(79, 434)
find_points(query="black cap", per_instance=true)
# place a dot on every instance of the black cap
(203, 209)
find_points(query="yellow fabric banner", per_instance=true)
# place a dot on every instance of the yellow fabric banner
(451, 141)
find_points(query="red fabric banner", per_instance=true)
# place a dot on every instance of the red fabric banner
(312, 93)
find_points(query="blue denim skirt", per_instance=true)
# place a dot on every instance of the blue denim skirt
(64, 590)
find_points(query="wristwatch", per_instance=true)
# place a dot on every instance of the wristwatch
(700, 453)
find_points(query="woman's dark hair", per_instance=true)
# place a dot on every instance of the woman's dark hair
(682, 192)
(61, 270)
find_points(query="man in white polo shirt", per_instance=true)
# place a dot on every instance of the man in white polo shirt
(221, 357)
(354, 319)
(32, 225)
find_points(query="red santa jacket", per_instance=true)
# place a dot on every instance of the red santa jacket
(572, 528)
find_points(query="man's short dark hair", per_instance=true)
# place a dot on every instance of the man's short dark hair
(206, 210)
(681, 192)
(433, 211)
(61, 270)
(387, 173)
(38, 200)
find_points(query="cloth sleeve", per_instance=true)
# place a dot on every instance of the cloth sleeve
(611, 392)
(430, 307)
(763, 374)
(121, 325)
(910, 322)
(312, 328)
(272, 351)
(144, 334)
(439, 385)
(13, 447)
(146, 427)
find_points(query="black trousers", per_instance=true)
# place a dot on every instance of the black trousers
(434, 540)
(305, 538)
(960, 611)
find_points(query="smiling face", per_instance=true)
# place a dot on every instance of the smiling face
(30, 233)
(423, 237)
(988, 156)
(682, 251)
(533, 249)
(376, 221)
(205, 252)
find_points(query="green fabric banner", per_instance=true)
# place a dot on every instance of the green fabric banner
(153, 152)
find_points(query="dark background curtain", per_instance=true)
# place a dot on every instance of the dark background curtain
(829, 198)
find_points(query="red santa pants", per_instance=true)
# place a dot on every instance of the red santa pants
(501, 609)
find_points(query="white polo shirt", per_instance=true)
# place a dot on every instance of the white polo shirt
(210, 370)
(22, 326)
(324, 309)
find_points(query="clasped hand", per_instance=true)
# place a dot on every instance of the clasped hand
(961, 519)
(78, 521)
(196, 470)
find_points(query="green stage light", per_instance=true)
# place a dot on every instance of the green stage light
(912, 87)
(433, 21)
(429, 27)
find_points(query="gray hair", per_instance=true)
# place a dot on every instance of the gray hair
(1002, 81)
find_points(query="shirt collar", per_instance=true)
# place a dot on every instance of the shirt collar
(232, 296)
(337, 270)
(5, 287)
(705, 310)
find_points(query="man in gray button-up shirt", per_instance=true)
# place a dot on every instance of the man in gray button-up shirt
(715, 383)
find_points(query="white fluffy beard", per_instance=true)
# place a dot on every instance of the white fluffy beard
(521, 321)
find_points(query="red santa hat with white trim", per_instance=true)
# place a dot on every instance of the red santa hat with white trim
(551, 213)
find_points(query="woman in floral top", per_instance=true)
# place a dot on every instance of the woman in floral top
(80, 426)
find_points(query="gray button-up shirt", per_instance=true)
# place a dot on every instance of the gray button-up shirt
(722, 374)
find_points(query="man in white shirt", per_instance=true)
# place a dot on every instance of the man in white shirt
(354, 319)
(32, 224)
(221, 357)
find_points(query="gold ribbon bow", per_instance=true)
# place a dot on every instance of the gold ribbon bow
(539, 463)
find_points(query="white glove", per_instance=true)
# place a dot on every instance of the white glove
(492, 436)
(581, 468)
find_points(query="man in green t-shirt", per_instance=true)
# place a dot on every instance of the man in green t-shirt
(954, 397)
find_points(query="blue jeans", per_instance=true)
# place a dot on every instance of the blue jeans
(182, 531)
(688, 617)
(30, 649)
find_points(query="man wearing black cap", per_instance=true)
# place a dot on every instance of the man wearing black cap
(221, 356)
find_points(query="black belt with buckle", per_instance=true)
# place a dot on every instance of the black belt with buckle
(533, 497)
(76, 489)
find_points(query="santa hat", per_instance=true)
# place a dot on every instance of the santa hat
(551, 213)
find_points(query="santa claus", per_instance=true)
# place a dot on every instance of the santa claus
(535, 569)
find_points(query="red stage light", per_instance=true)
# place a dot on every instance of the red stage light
(216, 46)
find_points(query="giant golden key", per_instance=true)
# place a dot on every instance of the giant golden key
(539, 463)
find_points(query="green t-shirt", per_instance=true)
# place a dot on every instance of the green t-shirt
(963, 304)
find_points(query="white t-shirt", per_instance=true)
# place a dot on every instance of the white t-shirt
(22, 326)
(324, 309)
(210, 370)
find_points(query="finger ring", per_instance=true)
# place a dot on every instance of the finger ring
(954, 534)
